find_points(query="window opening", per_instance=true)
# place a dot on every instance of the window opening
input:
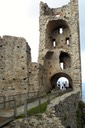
(67, 41)
(62, 65)
(65, 60)
(60, 30)
(54, 43)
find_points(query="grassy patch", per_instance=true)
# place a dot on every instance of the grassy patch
(35, 110)
(38, 109)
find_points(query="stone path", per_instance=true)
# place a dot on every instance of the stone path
(9, 114)
(5, 115)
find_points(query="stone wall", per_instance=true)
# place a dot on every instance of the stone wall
(14, 59)
(65, 108)
(36, 78)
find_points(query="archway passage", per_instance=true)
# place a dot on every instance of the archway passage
(55, 78)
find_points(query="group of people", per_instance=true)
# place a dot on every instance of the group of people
(62, 85)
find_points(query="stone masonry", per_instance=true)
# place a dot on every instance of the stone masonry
(14, 61)
(59, 56)
(59, 43)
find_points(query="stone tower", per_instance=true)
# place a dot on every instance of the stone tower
(59, 54)
(59, 48)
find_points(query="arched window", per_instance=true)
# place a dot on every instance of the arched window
(61, 31)
(68, 41)
(53, 43)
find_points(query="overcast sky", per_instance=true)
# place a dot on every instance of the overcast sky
(20, 18)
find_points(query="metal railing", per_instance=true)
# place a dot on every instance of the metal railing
(7, 102)
(15, 101)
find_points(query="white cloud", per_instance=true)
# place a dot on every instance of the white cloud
(20, 18)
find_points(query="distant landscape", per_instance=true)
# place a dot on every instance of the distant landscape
(83, 91)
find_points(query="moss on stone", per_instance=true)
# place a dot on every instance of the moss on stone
(35, 110)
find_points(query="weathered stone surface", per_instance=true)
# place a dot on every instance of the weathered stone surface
(59, 44)
(65, 108)
(14, 60)
(38, 121)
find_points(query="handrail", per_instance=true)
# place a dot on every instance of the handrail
(15, 107)
(6, 101)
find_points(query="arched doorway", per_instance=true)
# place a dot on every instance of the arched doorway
(61, 78)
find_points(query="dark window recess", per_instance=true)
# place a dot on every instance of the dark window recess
(24, 88)
(3, 79)
(61, 30)
(23, 68)
(0, 45)
(13, 78)
(65, 60)
(22, 57)
(29, 72)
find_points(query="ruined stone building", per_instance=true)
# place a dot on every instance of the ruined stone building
(59, 45)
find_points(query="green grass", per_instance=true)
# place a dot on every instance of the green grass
(35, 110)
(38, 109)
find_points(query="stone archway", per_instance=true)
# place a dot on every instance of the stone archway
(55, 78)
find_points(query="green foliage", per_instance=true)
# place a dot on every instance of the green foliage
(35, 110)
(38, 109)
